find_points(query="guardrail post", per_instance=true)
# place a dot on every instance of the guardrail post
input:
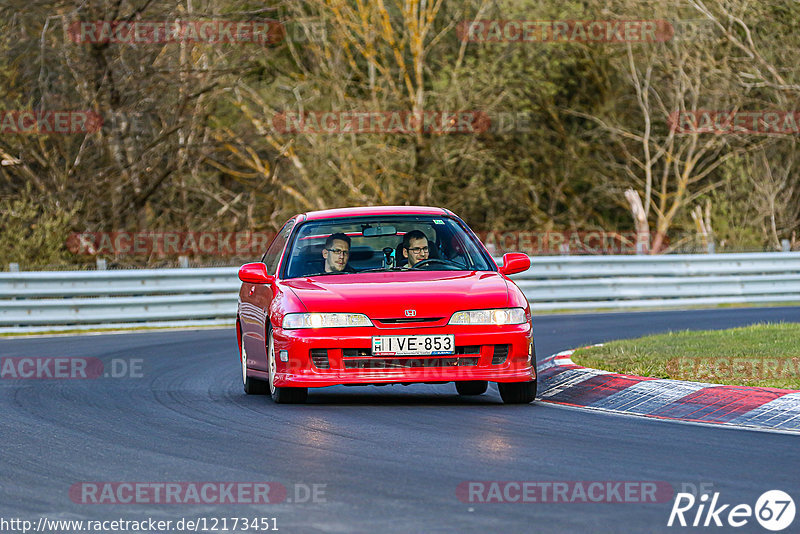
(786, 245)
(183, 262)
(101, 264)
(13, 267)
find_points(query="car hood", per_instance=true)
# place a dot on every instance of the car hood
(389, 295)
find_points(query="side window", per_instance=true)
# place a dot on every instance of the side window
(273, 254)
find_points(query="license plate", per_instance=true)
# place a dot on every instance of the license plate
(412, 345)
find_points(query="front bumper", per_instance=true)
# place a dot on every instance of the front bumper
(497, 354)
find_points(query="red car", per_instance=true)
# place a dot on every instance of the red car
(383, 295)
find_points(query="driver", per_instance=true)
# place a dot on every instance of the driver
(336, 254)
(415, 247)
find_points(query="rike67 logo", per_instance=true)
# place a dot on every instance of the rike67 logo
(774, 510)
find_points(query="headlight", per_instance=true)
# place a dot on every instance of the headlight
(499, 316)
(324, 320)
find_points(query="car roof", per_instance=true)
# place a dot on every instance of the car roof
(374, 210)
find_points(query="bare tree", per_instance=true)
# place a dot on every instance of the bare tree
(669, 168)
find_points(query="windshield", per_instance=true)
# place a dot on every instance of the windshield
(386, 243)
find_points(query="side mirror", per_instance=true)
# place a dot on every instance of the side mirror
(255, 273)
(515, 262)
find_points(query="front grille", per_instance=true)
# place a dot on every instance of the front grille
(356, 353)
(500, 354)
(320, 358)
(401, 320)
(363, 353)
(409, 363)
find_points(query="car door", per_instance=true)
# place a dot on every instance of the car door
(256, 300)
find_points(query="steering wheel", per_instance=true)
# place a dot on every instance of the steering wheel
(431, 261)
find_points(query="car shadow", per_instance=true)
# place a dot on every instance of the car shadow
(398, 396)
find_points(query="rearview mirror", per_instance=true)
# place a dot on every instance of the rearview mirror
(255, 273)
(376, 231)
(515, 262)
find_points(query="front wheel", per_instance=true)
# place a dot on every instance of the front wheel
(252, 386)
(279, 394)
(517, 392)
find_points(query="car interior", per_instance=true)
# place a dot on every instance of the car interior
(374, 247)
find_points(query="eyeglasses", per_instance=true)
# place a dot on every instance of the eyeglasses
(419, 250)
(338, 251)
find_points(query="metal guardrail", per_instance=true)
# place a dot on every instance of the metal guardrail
(35, 301)
(618, 282)
(31, 301)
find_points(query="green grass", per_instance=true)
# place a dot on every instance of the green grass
(765, 355)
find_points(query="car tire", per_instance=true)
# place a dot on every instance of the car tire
(517, 392)
(252, 386)
(282, 395)
(472, 387)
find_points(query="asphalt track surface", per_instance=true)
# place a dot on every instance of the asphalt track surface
(390, 458)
